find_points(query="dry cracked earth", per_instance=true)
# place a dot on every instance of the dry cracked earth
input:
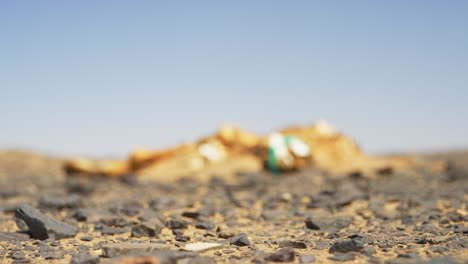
(302, 217)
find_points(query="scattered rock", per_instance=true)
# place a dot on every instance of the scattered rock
(240, 240)
(94, 215)
(202, 247)
(343, 256)
(205, 224)
(18, 255)
(126, 207)
(114, 230)
(226, 234)
(161, 203)
(292, 244)
(347, 246)
(144, 230)
(193, 215)
(124, 248)
(11, 236)
(283, 255)
(182, 238)
(177, 224)
(42, 226)
(330, 224)
(84, 259)
(198, 260)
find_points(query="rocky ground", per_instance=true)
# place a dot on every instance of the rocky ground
(303, 217)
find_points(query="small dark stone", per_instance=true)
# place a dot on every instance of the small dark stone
(292, 244)
(177, 224)
(385, 171)
(143, 230)
(283, 255)
(42, 226)
(407, 255)
(52, 255)
(347, 246)
(193, 215)
(18, 255)
(331, 224)
(84, 259)
(240, 240)
(182, 238)
(204, 224)
(113, 231)
(21, 261)
(86, 238)
(343, 256)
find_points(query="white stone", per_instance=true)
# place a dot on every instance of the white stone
(201, 246)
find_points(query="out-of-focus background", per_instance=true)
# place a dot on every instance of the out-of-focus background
(98, 78)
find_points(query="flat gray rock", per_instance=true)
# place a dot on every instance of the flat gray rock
(42, 226)
(202, 246)
(11, 236)
(328, 223)
(84, 259)
(127, 248)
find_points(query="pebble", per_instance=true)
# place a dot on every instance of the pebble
(205, 224)
(240, 240)
(343, 256)
(226, 234)
(292, 244)
(198, 260)
(327, 223)
(347, 246)
(144, 230)
(84, 259)
(177, 224)
(283, 255)
(124, 248)
(182, 238)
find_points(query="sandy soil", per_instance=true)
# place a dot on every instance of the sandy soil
(406, 217)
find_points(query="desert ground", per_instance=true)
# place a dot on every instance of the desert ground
(307, 216)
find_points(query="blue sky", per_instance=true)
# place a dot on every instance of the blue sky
(101, 77)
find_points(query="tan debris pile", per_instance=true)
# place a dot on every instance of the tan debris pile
(232, 150)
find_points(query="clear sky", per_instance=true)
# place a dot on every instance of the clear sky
(101, 77)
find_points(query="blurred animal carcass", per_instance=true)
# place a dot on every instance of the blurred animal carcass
(231, 150)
